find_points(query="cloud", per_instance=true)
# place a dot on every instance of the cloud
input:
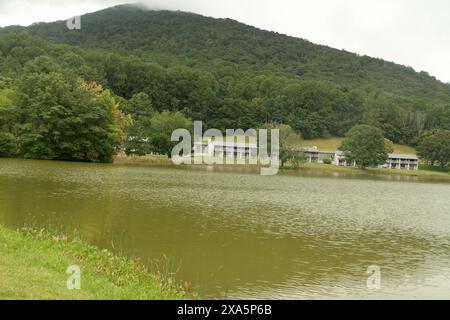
(26, 12)
(411, 32)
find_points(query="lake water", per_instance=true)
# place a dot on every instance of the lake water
(235, 234)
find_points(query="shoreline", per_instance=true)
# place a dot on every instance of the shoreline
(164, 161)
(39, 262)
(427, 175)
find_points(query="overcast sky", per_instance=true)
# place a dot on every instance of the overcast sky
(410, 32)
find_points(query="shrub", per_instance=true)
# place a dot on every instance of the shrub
(8, 147)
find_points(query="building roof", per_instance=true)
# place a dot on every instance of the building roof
(316, 150)
(340, 153)
(228, 144)
(391, 156)
(403, 156)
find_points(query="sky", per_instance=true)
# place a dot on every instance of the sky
(414, 33)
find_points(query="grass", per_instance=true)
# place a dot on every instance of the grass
(434, 168)
(162, 160)
(33, 266)
(398, 148)
(425, 172)
(332, 144)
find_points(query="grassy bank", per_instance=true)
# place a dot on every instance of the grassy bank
(33, 266)
(149, 160)
(332, 144)
(424, 172)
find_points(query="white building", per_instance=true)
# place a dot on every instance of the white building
(221, 149)
(395, 161)
(314, 155)
(249, 151)
(403, 162)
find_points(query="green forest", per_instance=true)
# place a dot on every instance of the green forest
(78, 94)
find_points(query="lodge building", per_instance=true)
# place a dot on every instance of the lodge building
(249, 151)
(220, 149)
(395, 161)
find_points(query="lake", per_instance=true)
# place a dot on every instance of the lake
(232, 233)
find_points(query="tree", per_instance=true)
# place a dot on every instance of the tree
(8, 145)
(65, 119)
(244, 84)
(382, 112)
(389, 146)
(162, 126)
(140, 108)
(434, 147)
(7, 109)
(289, 141)
(319, 108)
(366, 146)
(192, 90)
(291, 156)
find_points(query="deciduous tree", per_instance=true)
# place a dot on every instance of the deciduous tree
(365, 145)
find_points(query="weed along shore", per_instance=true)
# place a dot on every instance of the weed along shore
(421, 174)
(37, 265)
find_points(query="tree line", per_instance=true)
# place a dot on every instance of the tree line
(60, 101)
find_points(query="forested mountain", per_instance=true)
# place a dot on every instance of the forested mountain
(223, 72)
(203, 39)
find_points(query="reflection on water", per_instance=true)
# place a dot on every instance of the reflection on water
(236, 234)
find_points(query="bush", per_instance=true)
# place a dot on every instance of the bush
(327, 161)
(8, 146)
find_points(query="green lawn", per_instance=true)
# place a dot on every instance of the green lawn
(34, 267)
(332, 144)
(398, 148)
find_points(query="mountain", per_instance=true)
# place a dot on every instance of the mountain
(228, 74)
(201, 38)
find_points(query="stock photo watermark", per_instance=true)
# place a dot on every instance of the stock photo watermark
(236, 147)
(374, 280)
(74, 23)
(74, 281)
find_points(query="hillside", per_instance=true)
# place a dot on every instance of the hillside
(161, 69)
(202, 38)
(333, 144)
